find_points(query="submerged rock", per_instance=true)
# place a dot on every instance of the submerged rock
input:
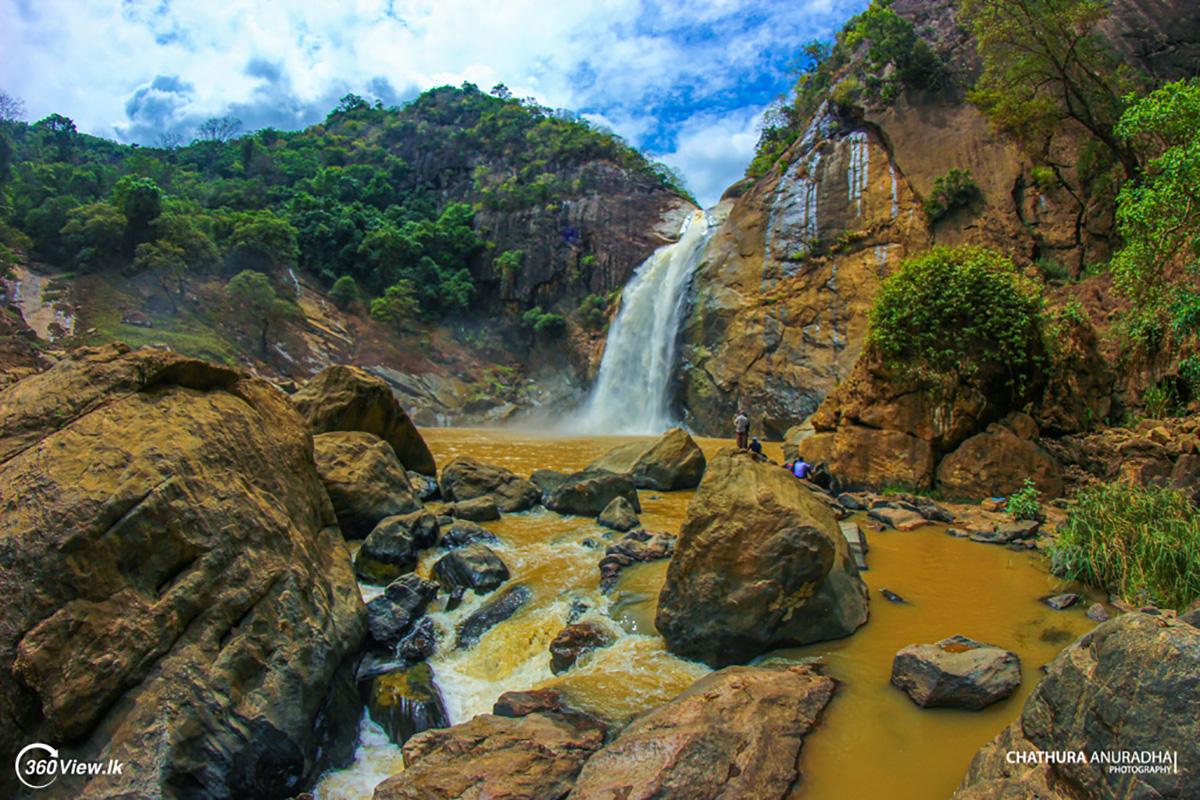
(1131, 685)
(473, 567)
(891, 596)
(1060, 602)
(533, 757)
(464, 478)
(575, 640)
(490, 614)
(736, 733)
(420, 642)
(759, 564)
(464, 532)
(956, 673)
(405, 702)
(177, 594)
(618, 516)
(343, 398)
(1099, 613)
(636, 546)
(673, 461)
(586, 494)
(364, 480)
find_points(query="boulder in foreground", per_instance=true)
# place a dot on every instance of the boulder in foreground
(733, 734)
(1130, 686)
(759, 564)
(672, 461)
(534, 757)
(179, 597)
(956, 673)
(342, 398)
(364, 480)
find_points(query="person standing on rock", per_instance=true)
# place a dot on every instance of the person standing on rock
(741, 426)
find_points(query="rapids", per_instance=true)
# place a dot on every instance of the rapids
(873, 741)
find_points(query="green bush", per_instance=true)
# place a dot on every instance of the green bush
(1024, 502)
(593, 312)
(1142, 543)
(541, 322)
(958, 310)
(344, 291)
(954, 190)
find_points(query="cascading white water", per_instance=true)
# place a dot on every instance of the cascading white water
(632, 391)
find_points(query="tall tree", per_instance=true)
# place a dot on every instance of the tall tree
(12, 108)
(219, 129)
(1044, 64)
(256, 302)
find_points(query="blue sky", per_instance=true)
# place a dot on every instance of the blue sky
(687, 82)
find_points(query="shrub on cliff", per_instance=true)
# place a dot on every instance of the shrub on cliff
(956, 311)
(1142, 542)
(954, 190)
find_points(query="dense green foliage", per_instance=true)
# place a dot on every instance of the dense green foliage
(954, 190)
(957, 311)
(540, 322)
(876, 56)
(1024, 502)
(386, 196)
(593, 312)
(255, 301)
(1143, 543)
(1045, 64)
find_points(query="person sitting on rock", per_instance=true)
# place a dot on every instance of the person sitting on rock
(755, 447)
(741, 426)
(801, 468)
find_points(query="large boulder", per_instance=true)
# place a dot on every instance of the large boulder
(618, 516)
(534, 757)
(996, 463)
(956, 673)
(672, 461)
(871, 458)
(735, 733)
(364, 480)
(464, 478)
(1129, 687)
(342, 398)
(475, 567)
(178, 596)
(480, 509)
(586, 494)
(405, 702)
(759, 564)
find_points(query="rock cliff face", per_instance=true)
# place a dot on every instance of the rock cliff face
(781, 301)
(178, 596)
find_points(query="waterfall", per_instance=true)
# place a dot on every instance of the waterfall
(632, 394)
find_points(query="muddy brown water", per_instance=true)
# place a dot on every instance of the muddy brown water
(873, 741)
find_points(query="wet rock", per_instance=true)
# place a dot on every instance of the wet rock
(926, 507)
(490, 614)
(178, 596)
(424, 487)
(590, 544)
(636, 546)
(547, 480)
(392, 547)
(956, 673)
(464, 478)
(733, 734)
(522, 704)
(406, 702)
(854, 501)
(464, 532)
(673, 461)
(957, 533)
(1097, 612)
(392, 614)
(534, 757)
(891, 596)
(578, 607)
(575, 640)
(619, 516)
(364, 480)
(997, 461)
(455, 598)
(420, 642)
(1129, 685)
(1006, 532)
(480, 509)
(898, 518)
(342, 398)
(1061, 601)
(857, 539)
(586, 494)
(473, 567)
(759, 564)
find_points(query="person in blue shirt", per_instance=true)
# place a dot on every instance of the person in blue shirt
(801, 468)
(755, 447)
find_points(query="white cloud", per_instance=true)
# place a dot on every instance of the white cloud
(665, 75)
